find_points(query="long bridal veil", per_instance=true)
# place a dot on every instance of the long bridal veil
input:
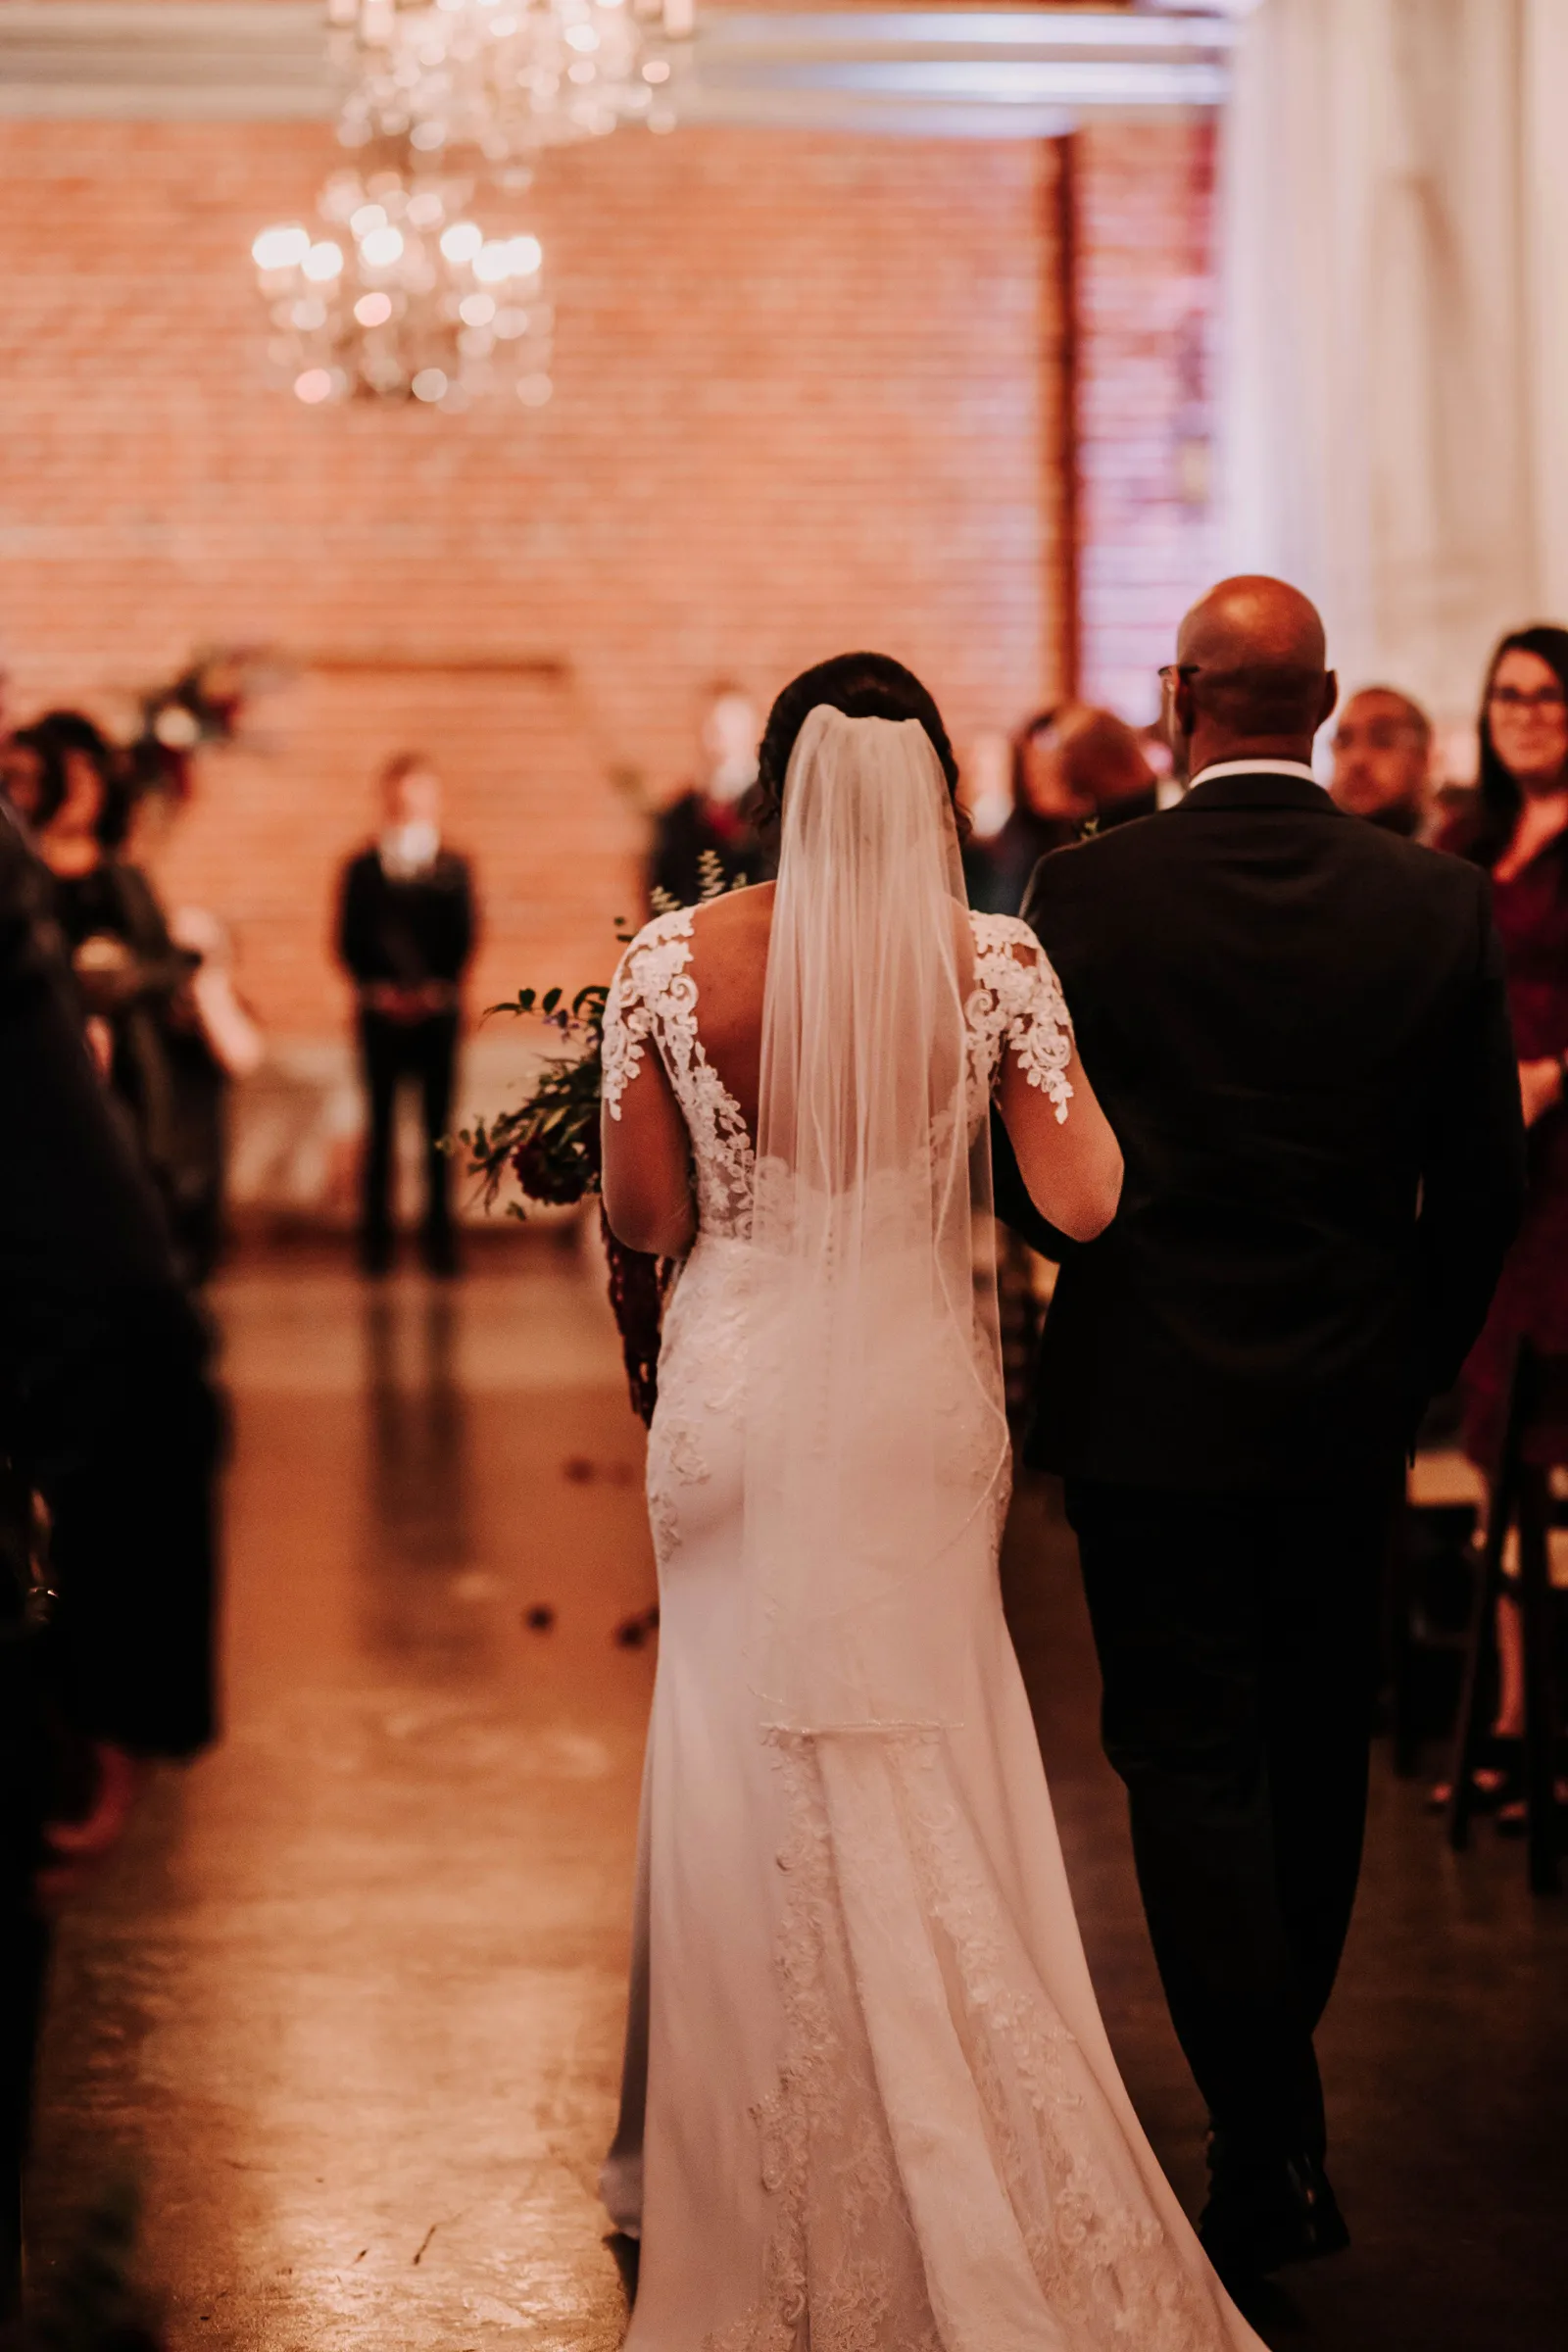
(875, 1431)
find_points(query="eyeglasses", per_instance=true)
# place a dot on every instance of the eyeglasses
(1172, 670)
(1515, 698)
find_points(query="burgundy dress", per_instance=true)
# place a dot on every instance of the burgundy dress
(1532, 1295)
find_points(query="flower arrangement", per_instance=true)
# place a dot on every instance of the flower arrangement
(203, 706)
(548, 1147)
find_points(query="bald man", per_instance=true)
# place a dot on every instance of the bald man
(1295, 1022)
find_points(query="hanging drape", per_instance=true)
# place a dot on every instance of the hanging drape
(1395, 349)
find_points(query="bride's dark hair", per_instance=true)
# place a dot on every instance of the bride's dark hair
(862, 686)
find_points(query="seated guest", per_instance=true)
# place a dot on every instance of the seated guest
(1519, 832)
(711, 829)
(33, 774)
(1048, 811)
(1104, 763)
(405, 936)
(1383, 760)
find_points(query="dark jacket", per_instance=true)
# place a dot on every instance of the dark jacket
(105, 1406)
(694, 826)
(1297, 1025)
(405, 932)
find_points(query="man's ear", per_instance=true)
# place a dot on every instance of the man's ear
(1183, 713)
(1331, 698)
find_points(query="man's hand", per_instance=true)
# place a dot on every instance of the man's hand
(1540, 1087)
(75, 1848)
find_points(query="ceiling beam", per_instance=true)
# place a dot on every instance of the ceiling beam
(1027, 73)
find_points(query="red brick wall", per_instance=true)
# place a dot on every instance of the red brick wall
(802, 403)
(1146, 301)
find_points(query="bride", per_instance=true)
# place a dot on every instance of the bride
(869, 2102)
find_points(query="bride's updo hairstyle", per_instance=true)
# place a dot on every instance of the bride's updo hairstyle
(862, 686)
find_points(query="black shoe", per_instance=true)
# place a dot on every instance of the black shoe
(1264, 2211)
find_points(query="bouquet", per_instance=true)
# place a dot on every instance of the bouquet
(549, 1147)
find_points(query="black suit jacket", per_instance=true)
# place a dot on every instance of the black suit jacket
(105, 1406)
(406, 931)
(1297, 1025)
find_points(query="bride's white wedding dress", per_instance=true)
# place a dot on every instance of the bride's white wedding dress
(882, 2114)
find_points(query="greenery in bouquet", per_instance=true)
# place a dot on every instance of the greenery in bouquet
(548, 1147)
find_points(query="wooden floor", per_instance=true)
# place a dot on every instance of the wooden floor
(349, 2007)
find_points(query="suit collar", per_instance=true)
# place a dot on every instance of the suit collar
(1258, 784)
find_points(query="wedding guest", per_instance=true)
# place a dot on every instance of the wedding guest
(406, 931)
(107, 1414)
(1519, 833)
(1383, 760)
(712, 826)
(33, 774)
(1049, 811)
(134, 981)
(1103, 762)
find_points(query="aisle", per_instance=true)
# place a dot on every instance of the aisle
(351, 2004)
(356, 1993)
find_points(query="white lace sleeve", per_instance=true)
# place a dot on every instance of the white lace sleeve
(646, 978)
(629, 1021)
(1018, 1007)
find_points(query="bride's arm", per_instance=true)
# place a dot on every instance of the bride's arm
(647, 1162)
(1072, 1169)
(1067, 1155)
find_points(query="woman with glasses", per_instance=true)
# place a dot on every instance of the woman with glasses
(1519, 831)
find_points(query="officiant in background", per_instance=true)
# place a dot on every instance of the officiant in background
(715, 818)
(405, 933)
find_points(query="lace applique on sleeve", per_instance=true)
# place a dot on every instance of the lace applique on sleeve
(1018, 1005)
(642, 977)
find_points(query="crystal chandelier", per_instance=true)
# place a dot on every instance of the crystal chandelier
(505, 77)
(400, 295)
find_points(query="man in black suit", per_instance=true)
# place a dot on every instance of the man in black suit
(406, 931)
(107, 1415)
(1297, 1025)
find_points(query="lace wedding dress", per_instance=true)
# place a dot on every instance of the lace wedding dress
(876, 2106)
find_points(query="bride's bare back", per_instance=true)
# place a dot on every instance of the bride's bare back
(1072, 1167)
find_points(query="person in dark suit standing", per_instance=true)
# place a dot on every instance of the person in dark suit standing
(1297, 1027)
(710, 834)
(405, 936)
(107, 1418)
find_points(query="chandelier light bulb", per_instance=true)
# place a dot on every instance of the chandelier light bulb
(281, 248)
(403, 311)
(381, 248)
(503, 79)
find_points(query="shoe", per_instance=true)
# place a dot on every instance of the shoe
(1497, 1782)
(1263, 2212)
